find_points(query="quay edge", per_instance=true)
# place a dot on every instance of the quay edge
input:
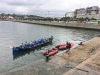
(63, 24)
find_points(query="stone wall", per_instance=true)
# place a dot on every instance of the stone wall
(63, 24)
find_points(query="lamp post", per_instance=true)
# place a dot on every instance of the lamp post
(48, 14)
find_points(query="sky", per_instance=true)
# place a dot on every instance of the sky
(45, 8)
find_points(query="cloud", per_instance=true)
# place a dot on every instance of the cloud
(41, 7)
(22, 2)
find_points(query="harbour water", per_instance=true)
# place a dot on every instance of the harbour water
(14, 33)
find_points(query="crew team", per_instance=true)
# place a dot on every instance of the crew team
(34, 43)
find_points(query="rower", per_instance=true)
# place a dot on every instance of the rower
(42, 40)
(21, 45)
(32, 45)
(25, 45)
(37, 43)
(29, 45)
(51, 38)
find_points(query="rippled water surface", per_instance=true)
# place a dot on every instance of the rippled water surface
(14, 33)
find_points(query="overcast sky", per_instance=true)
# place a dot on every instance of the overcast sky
(56, 8)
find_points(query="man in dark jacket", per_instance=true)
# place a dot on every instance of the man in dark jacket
(68, 46)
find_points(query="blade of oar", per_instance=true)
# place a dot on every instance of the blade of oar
(11, 46)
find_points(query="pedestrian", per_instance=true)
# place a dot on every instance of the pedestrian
(48, 51)
(68, 46)
(67, 43)
(81, 44)
(47, 57)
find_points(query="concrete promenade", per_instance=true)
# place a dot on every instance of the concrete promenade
(84, 60)
(62, 24)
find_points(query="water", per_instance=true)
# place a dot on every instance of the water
(14, 33)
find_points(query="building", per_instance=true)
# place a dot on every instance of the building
(99, 10)
(10, 17)
(70, 14)
(90, 12)
(80, 12)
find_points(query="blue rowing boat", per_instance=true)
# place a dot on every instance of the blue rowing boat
(44, 42)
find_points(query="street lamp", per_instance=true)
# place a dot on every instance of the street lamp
(48, 13)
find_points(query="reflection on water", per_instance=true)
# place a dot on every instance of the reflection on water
(14, 33)
(20, 54)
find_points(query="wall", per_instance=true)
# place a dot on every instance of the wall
(75, 25)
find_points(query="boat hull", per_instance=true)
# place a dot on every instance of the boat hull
(51, 52)
(63, 46)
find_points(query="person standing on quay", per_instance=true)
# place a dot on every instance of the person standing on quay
(68, 46)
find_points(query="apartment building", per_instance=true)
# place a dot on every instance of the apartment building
(70, 14)
(90, 12)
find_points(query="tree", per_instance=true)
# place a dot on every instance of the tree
(93, 18)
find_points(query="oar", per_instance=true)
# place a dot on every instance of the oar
(11, 46)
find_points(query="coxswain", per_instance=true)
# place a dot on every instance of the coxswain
(51, 37)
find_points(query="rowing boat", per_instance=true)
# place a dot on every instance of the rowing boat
(18, 49)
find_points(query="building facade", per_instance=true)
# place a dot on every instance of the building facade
(70, 14)
(99, 10)
(90, 12)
